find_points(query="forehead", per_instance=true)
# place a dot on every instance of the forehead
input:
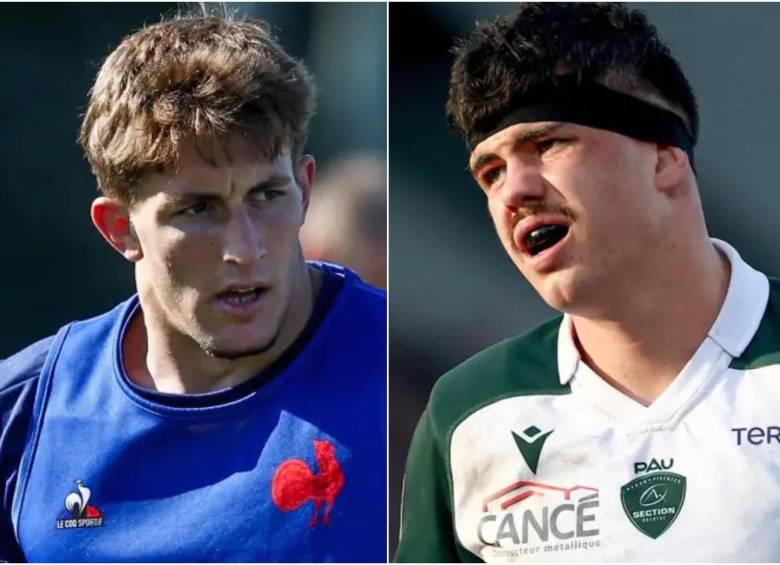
(510, 137)
(216, 166)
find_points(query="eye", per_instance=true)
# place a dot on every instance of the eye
(266, 195)
(196, 209)
(489, 176)
(544, 145)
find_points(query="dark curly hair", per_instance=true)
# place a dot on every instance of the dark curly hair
(606, 42)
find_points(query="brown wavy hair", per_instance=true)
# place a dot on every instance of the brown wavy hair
(202, 77)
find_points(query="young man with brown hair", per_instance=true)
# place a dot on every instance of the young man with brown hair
(211, 417)
(608, 433)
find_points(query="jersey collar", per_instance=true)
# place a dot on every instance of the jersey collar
(734, 328)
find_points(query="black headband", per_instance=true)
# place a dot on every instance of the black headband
(594, 105)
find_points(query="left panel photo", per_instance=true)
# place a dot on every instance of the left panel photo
(193, 358)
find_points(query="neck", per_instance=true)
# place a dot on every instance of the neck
(159, 359)
(640, 347)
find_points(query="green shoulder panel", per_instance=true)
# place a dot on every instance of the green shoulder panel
(764, 349)
(427, 534)
(523, 365)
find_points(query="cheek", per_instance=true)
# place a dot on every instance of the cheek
(622, 222)
(501, 216)
(502, 225)
(282, 227)
(185, 257)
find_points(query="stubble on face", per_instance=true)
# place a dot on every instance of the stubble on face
(192, 257)
(216, 353)
(212, 349)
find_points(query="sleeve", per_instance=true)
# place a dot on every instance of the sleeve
(19, 377)
(427, 534)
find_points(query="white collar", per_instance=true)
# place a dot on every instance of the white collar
(734, 328)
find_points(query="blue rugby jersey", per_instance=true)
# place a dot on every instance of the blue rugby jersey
(288, 466)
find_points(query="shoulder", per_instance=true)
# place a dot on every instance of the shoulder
(19, 377)
(764, 348)
(520, 366)
(357, 296)
(371, 295)
(362, 290)
(24, 366)
(369, 303)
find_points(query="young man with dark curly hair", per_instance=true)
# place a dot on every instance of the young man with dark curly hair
(212, 416)
(607, 433)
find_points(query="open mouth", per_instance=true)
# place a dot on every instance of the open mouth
(242, 297)
(544, 237)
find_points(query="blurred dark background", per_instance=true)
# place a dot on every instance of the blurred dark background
(55, 266)
(453, 289)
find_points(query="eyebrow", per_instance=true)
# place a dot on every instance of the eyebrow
(271, 182)
(266, 184)
(525, 137)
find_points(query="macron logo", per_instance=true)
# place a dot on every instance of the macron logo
(530, 442)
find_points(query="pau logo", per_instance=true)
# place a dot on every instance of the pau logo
(653, 500)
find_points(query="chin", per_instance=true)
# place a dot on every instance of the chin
(232, 353)
(240, 347)
(563, 292)
(557, 303)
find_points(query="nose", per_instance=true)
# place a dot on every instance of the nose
(523, 185)
(244, 241)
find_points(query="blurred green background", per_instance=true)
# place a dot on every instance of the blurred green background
(453, 290)
(55, 267)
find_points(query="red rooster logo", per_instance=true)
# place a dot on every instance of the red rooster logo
(294, 484)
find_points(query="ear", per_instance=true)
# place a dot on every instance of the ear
(305, 173)
(112, 220)
(671, 168)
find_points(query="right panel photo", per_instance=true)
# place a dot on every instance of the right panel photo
(585, 319)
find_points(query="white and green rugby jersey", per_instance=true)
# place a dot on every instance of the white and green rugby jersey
(525, 454)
